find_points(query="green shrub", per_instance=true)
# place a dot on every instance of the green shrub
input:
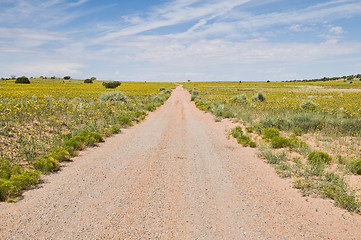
(151, 107)
(66, 136)
(298, 131)
(227, 114)
(76, 143)
(273, 158)
(237, 132)
(259, 97)
(202, 105)
(244, 140)
(317, 158)
(91, 138)
(125, 120)
(157, 99)
(250, 129)
(309, 106)
(167, 91)
(195, 92)
(60, 154)
(111, 84)
(302, 183)
(354, 166)
(221, 111)
(269, 133)
(280, 142)
(88, 81)
(7, 190)
(5, 169)
(115, 129)
(240, 99)
(333, 186)
(299, 146)
(308, 121)
(25, 180)
(22, 80)
(46, 164)
(113, 97)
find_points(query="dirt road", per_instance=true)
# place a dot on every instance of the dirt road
(174, 176)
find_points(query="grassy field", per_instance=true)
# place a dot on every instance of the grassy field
(309, 131)
(49, 120)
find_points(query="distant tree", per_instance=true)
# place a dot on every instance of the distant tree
(67, 77)
(23, 80)
(53, 77)
(268, 81)
(13, 77)
(189, 80)
(111, 84)
(88, 80)
(93, 78)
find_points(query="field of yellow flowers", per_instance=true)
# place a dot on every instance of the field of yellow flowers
(47, 121)
(309, 131)
(333, 97)
(330, 108)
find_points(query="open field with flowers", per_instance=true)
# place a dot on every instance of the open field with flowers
(49, 120)
(309, 131)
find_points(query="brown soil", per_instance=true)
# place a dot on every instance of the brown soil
(174, 176)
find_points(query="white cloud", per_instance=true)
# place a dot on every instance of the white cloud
(78, 3)
(336, 30)
(23, 33)
(299, 28)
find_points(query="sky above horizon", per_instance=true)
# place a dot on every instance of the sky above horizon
(177, 40)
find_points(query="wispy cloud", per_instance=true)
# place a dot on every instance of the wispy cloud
(336, 30)
(299, 28)
(43, 14)
(174, 13)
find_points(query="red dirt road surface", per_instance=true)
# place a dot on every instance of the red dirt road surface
(174, 176)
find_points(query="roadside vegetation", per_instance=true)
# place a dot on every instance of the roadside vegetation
(48, 121)
(308, 130)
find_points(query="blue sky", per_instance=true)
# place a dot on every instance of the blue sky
(176, 40)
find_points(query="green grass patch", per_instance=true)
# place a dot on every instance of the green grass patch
(354, 166)
(317, 158)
